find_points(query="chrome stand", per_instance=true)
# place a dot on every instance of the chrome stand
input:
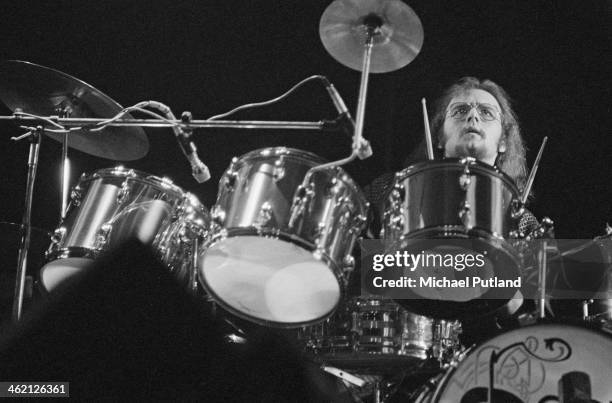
(26, 228)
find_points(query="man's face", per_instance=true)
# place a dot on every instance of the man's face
(472, 127)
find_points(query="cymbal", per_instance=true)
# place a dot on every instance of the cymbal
(44, 91)
(398, 40)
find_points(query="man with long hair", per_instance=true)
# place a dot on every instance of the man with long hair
(472, 118)
(475, 118)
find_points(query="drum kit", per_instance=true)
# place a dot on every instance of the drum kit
(277, 249)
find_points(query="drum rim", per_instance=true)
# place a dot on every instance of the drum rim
(163, 183)
(474, 164)
(304, 156)
(223, 234)
(454, 366)
(296, 153)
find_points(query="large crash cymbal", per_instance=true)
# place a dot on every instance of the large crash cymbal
(44, 91)
(397, 42)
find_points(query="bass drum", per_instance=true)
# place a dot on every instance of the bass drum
(539, 364)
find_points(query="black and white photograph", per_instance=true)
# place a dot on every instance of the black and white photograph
(370, 201)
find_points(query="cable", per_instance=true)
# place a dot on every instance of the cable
(271, 101)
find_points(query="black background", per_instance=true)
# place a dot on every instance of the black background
(207, 57)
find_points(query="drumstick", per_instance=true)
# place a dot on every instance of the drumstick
(430, 154)
(532, 174)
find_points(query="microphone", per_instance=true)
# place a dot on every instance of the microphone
(199, 171)
(343, 111)
(364, 150)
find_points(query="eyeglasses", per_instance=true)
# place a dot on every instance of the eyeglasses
(460, 110)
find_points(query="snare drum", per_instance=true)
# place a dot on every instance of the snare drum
(531, 364)
(375, 336)
(280, 252)
(115, 204)
(458, 206)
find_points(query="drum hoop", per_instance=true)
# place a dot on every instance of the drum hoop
(475, 165)
(311, 159)
(73, 251)
(223, 234)
(164, 184)
(293, 153)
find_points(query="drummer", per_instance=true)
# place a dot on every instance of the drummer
(472, 118)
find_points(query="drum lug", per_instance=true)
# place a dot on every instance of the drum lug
(465, 180)
(303, 195)
(264, 216)
(465, 215)
(397, 222)
(359, 223)
(397, 194)
(394, 221)
(279, 169)
(58, 235)
(218, 215)
(393, 218)
(183, 237)
(56, 239)
(103, 235)
(319, 251)
(517, 209)
(123, 193)
(76, 195)
(467, 161)
(320, 231)
(333, 188)
(231, 175)
(180, 211)
(348, 264)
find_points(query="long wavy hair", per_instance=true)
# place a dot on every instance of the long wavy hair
(512, 162)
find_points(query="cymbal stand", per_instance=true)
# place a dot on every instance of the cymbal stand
(34, 138)
(541, 301)
(372, 25)
(545, 231)
(361, 147)
(65, 175)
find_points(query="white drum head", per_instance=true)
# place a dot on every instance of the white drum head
(530, 367)
(269, 281)
(58, 271)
